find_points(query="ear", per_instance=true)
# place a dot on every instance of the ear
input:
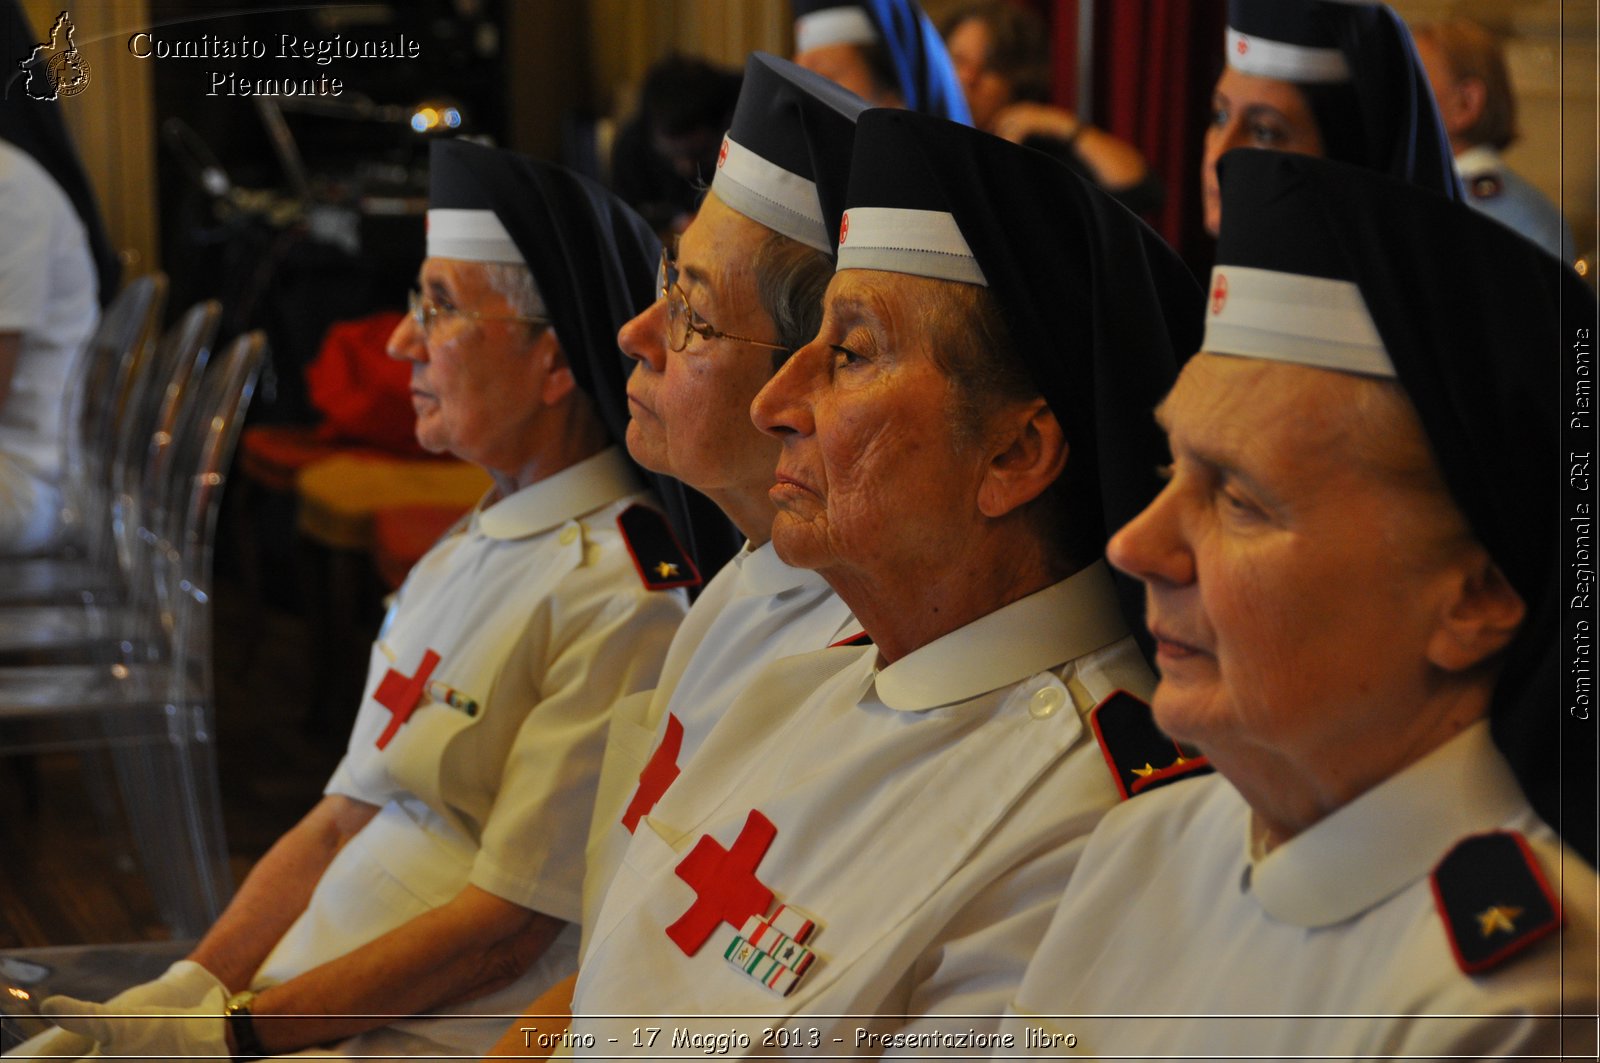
(1027, 453)
(1480, 618)
(559, 383)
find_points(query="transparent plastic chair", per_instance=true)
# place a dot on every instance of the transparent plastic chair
(151, 708)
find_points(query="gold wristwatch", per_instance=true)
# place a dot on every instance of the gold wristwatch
(241, 1023)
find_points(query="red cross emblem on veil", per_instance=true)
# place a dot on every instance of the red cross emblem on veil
(844, 228)
(722, 153)
(1219, 294)
(725, 884)
(1243, 46)
(400, 694)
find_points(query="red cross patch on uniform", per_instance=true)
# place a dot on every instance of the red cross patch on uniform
(725, 884)
(657, 775)
(401, 694)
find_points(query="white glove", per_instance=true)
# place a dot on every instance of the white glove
(183, 984)
(53, 1042)
(163, 1031)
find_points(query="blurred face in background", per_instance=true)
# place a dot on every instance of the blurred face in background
(986, 91)
(1252, 112)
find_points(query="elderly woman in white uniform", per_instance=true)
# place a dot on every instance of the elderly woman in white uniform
(440, 876)
(752, 265)
(868, 836)
(1352, 585)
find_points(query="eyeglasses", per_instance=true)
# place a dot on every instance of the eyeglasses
(425, 313)
(682, 318)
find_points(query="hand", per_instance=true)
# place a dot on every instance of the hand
(182, 985)
(168, 1032)
(1018, 121)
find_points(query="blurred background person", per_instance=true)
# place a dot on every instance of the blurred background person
(48, 308)
(1326, 78)
(885, 51)
(1467, 71)
(1002, 58)
(665, 155)
(1356, 605)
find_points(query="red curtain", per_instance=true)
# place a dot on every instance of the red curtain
(1155, 62)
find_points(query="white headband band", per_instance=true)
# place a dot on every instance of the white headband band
(923, 243)
(766, 193)
(1287, 317)
(1285, 62)
(833, 25)
(473, 235)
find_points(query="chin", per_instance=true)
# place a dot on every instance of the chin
(796, 543)
(646, 451)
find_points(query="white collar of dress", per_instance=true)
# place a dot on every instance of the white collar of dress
(1389, 837)
(1476, 160)
(763, 572)
(578, 489)
(1060, 623)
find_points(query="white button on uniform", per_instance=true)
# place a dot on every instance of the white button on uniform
(1045, 703)
(567, 535)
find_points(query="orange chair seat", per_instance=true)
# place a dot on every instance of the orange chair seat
(271, 454)
(402, 534)
(339, 496)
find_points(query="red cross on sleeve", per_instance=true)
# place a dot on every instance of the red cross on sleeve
(725, 883)
(657, 775)
(400, 694)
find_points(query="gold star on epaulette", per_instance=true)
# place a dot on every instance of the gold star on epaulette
(1144, 772)
(666, 570)
(1500, 917)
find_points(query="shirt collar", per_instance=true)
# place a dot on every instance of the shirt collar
(1476, 160)
(1390, 836)
(1060, 623)
(763, 572)
(572, 492)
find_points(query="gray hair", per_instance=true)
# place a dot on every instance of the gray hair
(514, 282)
(790, 280)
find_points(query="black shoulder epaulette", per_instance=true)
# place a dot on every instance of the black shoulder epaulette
(662, 561)
(858, 639)
(1485, 186)
(1493, 899)
(1140, 755)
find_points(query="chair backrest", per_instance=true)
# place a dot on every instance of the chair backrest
(144, 435)
(108, 362)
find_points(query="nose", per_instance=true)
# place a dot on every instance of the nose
(1153, 546)
(644, 337)
(783, 407)
(406, 342)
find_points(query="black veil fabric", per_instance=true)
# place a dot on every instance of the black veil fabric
(1477, 322)
(36, 127)
(594, 261)
(1099, 308)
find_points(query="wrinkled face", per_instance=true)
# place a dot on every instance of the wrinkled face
(844, 64)
(689, 410)
(871, 477)
(986, 91)
(1457, 109)
(1291, 584)
(1252, 112)
(475, 384)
